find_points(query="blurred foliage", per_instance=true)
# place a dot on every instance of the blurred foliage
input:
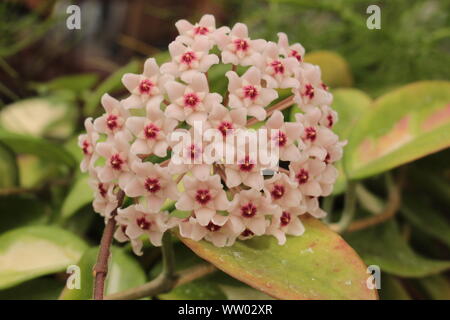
(48, 222)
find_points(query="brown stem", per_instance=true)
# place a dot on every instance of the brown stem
(283, 104)
(101, 267)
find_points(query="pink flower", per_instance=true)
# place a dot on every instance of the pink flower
(315, 138)
(286, 222)
(116, 153)
(237, 48)
(247, 92)
(151, 132)
(329, 117)
(282, 136)
(189, 60)
(190, 154)
(87, 143)
(227, 121)
(204, 198)
(205, 27)
(307, 173)
(153, 182)
(251, 207)
(278, 72)
(147, 88)
(114, 119)
(312, 207)
(296, 50)
(190, 102)
(138, 220)
(105, 200)
(219, 235)
(282, 191)
(312, 92)
(246, 170)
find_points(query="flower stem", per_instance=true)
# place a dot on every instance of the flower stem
(283, 104)
(349, 209)
(101, 267)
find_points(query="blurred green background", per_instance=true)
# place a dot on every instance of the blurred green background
(52, 78)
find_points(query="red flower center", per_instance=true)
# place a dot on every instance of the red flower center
(294, 53)
(241, 45)
(102, 190)
(194, 151)
(302, 176)
(151, 131)
(324, 86)
(201, 30)
(116, 161)
(203, 196)
(280, 139)
(143, 223)
(247, 233)
(277, 191)
(327, 158)
(188, 57)
(285, 218)
(152, 185)
(145, 87)
(309, 91)
(225, 127)
(277, 66)
(111, 122)
(213, 227)
(191, 100)
(330, 120)
(86, 148)
(247, 164)
(310, 133)
(250, 92)
(249, 210)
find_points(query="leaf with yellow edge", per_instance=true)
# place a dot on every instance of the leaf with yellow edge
(317, 265)
(403, 125)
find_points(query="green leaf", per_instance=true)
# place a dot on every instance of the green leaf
(350, 104)
(403, 125)
(124, 273)
(436, 287)
(27, 209)
(335, 70)
(317, 265)
(384, 246)
(37, 146)
(37, 289)
(76, 83)
(30, 252)
(392, 289)
(79, 196)
(34, 172)
(113, 82)
(421, 214)
(9, 175)
(52, 117)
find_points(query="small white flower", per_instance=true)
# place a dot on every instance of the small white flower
(87, 144)
(114, 119)
(205, 27)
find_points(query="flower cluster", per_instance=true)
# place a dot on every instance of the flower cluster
(215, 200)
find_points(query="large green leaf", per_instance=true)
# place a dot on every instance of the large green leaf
(50, 116)
(317, 265)
(384, 246)
(30, 252)
(22, 210)
(436, 287)
(37, 146)
(350, 104)
(34, 171)
(8, 167)
(76, 83)
(392, 289)
(335, 70)
(79, 195)
(124, 273)
(403, 125)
